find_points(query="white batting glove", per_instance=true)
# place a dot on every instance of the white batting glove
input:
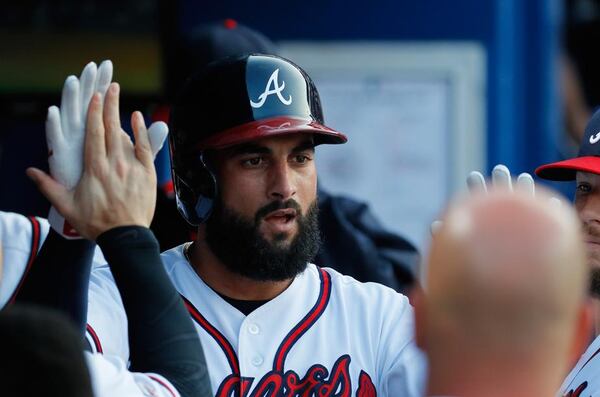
(157, 133)
(65, 133)
(501, 179)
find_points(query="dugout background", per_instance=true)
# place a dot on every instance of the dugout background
(519, 42)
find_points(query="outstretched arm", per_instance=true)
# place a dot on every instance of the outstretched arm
(162, 338)
(59, 276)
(113, 203)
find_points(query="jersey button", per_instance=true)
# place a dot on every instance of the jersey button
(257, 361)
(253, 329)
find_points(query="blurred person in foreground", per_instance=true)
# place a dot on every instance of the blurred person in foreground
(505, 311)
(42, 354)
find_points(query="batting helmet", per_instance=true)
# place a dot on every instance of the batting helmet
(232, 101)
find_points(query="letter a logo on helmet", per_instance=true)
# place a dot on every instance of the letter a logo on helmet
(227, 104)
(273, 81)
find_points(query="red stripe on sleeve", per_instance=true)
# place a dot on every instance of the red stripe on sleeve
(35, 246)
(163, 384)
(95, 338)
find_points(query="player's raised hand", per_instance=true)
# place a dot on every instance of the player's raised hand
(118, 183)
(65, 132)
(501, 179)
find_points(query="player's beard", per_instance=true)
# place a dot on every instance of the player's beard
(592, 231)
(595, 283)
(239, 245)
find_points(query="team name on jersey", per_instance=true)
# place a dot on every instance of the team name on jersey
(577, 392)
(318, 381)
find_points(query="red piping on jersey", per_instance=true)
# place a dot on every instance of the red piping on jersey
(292, 337)
(35, 246)
(579, 389)
(304, 324)
(217, 336)
(590, 359)
(163, 384)
(95, 338)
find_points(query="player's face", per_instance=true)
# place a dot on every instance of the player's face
(272, 181)
(587, 203)
(264, 225)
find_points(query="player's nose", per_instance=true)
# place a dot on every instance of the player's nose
(589, 209)
(281, 185)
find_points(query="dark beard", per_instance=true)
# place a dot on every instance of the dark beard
(595, 283)
(237, 242)
(592, 230)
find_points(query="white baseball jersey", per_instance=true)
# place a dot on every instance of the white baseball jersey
(110, 378)
(21, 239)
(584, 378)
(325, 335)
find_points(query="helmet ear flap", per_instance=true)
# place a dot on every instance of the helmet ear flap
(196, 192)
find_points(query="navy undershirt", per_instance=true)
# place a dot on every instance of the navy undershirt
(244, 306)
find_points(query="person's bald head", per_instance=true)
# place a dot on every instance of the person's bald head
(506, 278)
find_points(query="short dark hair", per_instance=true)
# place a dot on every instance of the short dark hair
(41, 354)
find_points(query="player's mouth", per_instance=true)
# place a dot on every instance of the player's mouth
(281, 221)
(592, 244)
(591, 236)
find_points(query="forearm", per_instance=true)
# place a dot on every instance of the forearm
(162, 337)
(59, 277)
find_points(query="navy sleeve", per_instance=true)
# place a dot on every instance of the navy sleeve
(59, 277)
(162, 337)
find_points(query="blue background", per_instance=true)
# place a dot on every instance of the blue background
(521, 38)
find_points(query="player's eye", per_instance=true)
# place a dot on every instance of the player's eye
(253, 161)
(583, 188)
(301, 159)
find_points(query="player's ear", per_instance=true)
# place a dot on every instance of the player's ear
(419, 301)
(583, 332)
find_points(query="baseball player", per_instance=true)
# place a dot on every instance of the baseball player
(355, 243)
(101, 200)
(584, 378)
(243, 136)
(585, 169)
(23, 236)
(65, 126)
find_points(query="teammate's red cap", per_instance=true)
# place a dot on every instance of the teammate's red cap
(587, 160)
